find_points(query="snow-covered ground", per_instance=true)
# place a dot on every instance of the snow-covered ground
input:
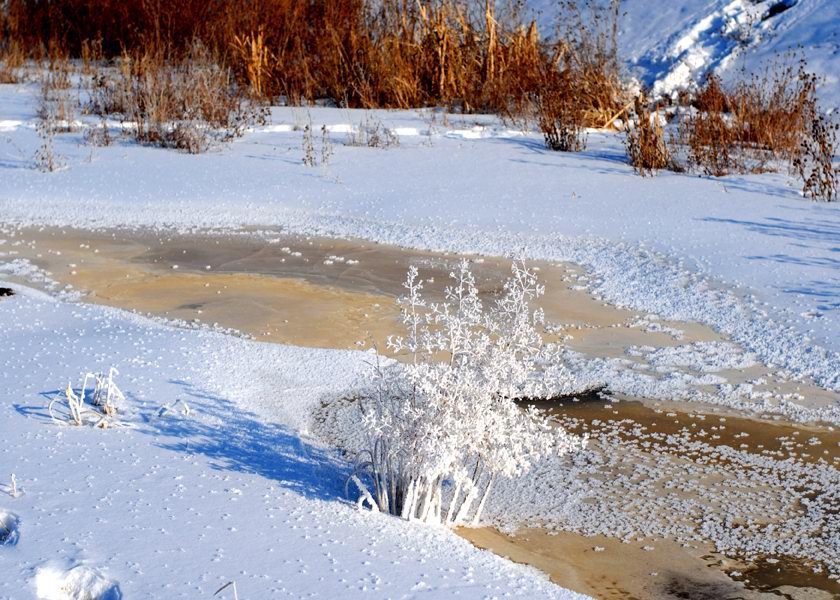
(745, 254)
(675, 43)
(176, 505)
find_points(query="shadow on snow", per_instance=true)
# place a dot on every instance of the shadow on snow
(236, 440)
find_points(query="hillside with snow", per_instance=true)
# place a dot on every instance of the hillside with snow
(669, 45)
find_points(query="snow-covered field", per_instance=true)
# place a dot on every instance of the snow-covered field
(176, 505)
(745, 254)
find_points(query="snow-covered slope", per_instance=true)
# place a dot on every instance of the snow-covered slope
(670, 44)
(174, 506)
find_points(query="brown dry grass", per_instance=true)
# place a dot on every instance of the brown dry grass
(465, 54)
(771, 110)
(760, 123)
(12, 60)
(57, 103)
(754, 125)
(579, 83)
(561, 117)
(184, 102)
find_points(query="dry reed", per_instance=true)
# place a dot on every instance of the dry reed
(464, 54)
(758, 124)
(645, 143)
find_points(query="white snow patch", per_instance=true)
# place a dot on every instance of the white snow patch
(24, 268)
(705, 357)
(10, 124)
(78, 583)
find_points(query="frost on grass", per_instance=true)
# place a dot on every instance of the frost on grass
(71, 408)
(439, 431)
(12, 487)
(179, 406)
(78, 583)
(9, 528)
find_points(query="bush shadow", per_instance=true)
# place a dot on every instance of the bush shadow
(237, 440)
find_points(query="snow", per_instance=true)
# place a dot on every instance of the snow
(744, 254)
(706, 357)
(176, 505)
(54, 583)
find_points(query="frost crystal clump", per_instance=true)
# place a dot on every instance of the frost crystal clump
(441, 429)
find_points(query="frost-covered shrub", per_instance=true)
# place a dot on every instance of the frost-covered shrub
(74, 407)
(106, 394)
(441, 429)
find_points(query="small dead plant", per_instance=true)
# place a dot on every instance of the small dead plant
(372, 133)
(57, 106)
(310, 158)
(560, 121)
(106, 394)
(58, 71)
(13, 489)
(172, 408)
(712, 144)
(46, 157)
(308, 146)
(99, 135)
(814, 163)
(92, 55)
(230, 584)
(645, 142)
(74, 405)
(71, 408)
(327, 149)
